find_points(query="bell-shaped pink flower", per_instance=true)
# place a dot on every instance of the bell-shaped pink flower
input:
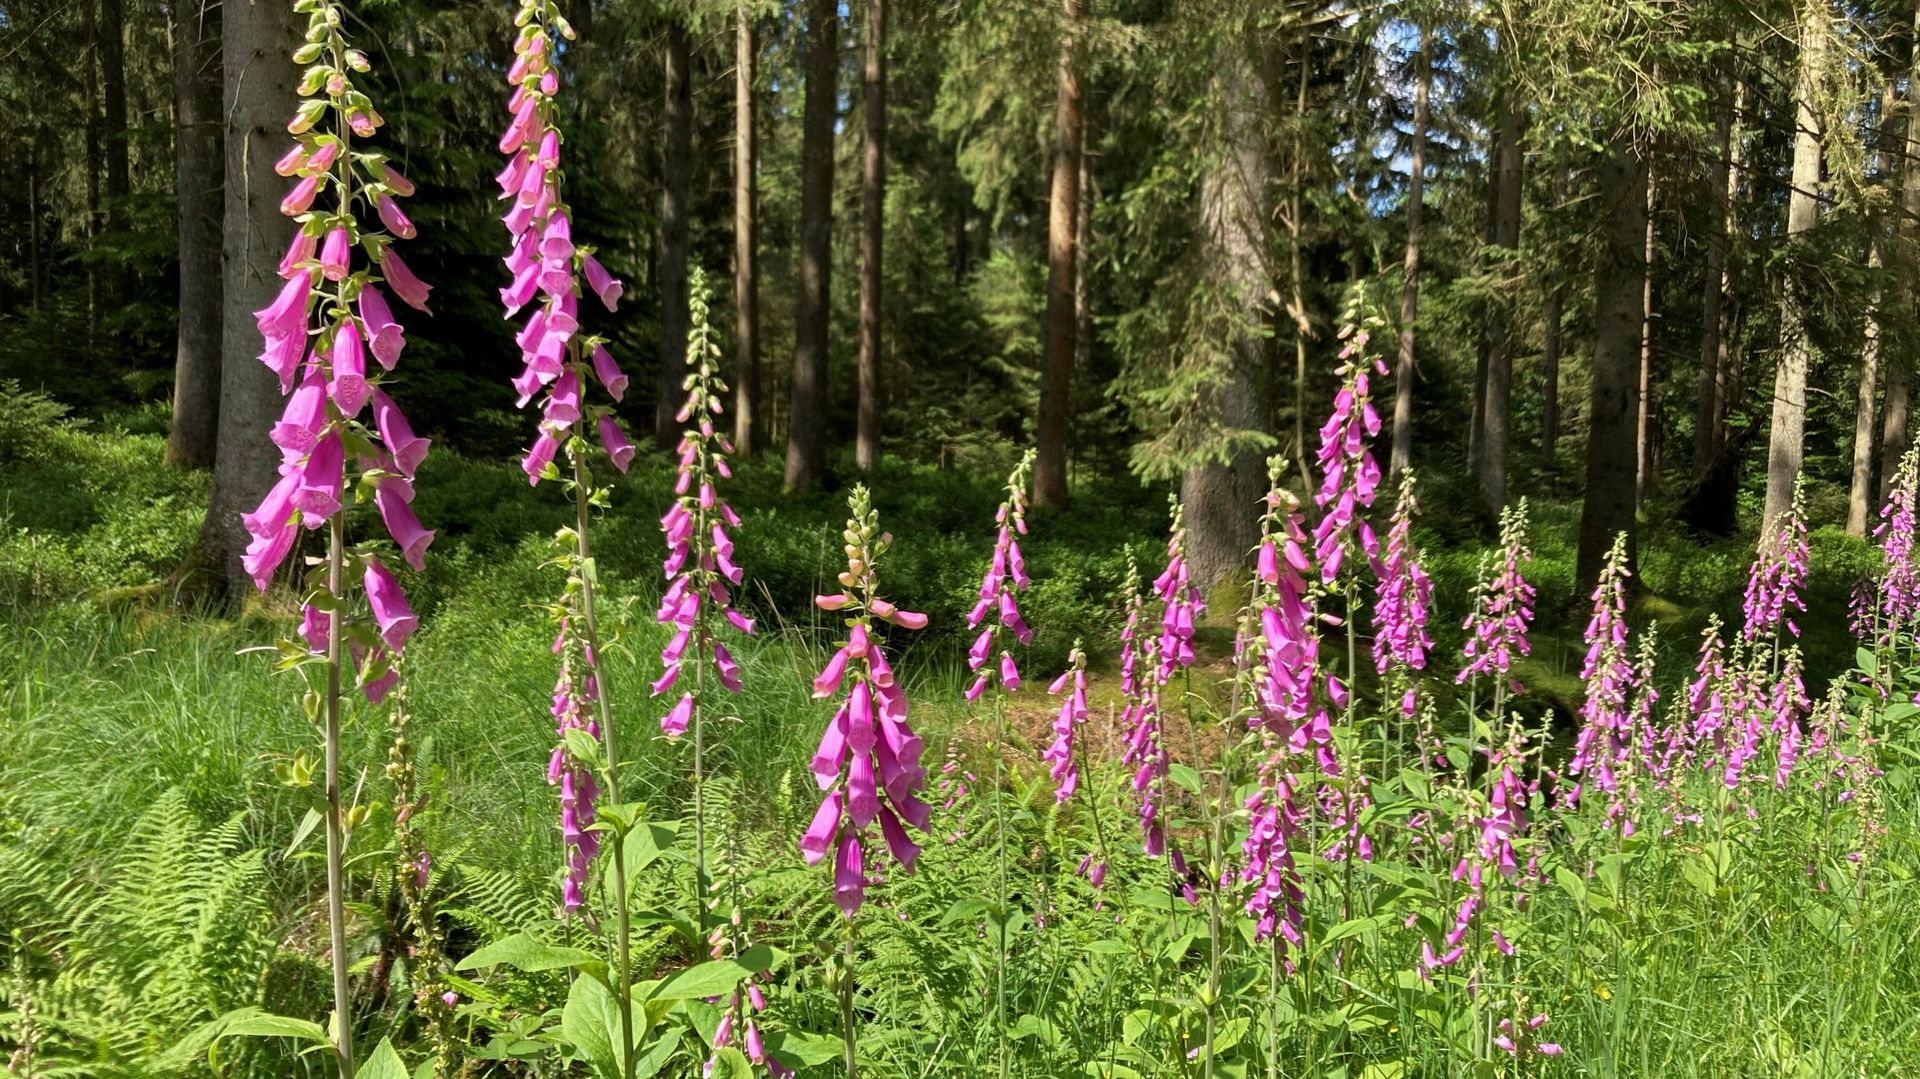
(411, 290)
(385, 338)
(304, 417)
(604, 285)
(390, 610)
(317, 496)
(616, 443)
(402, 525)
(333, 254)
(349, 384)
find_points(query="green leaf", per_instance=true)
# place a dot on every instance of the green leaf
(1033, 1026)
(262, 1024)
(590, 1023)
(582, 746)
(307, 824)
(1184, 777)
(523, 952)
(1385, 1069)
(731, 1063)
(799, 1047)
(714, 978)
(384, 1063)
(1867, 661)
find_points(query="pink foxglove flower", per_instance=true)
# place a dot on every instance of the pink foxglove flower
(1604, 741)
(1403, 597)
(868, 761)
(1899, 572)
(1779, 573)
(1145, 750)
(315, 332)
(1180, 602)
(700, 570)
(1503, 607)
(544, 264)
(574, 695)
(1000, 587)
(1349, 474)
(1073, 712)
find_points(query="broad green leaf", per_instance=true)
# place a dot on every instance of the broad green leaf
(730, 1063)
(714, 978)
(307, 824)
(591, 1024)
(1184, 777)
(1385, 1069)
(254, 1023)
(799, 1047)
(522, 952)
(1867, 661)
(1033, 1026)
(382, 1063)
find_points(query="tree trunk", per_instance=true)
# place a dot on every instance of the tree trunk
(1893, 425)
(1403, 369)
(806, 419)
(1860, 492)
(1497, 412)
(1056, 380)
(257, 42)
(1785, 441)
(1296, 268)
(1220, 530)
(197, 165)
(1552, 315)
(1707, 410)
(1619, 295)
(1645, 461)
(1893, 428)
(873, 196)
(113, 102)
(746, 240)
(676, 155)
(90, 101)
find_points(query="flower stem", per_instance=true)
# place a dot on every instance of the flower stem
(623, 923)
(846, 1000)
(1005, 915)
(336, 833)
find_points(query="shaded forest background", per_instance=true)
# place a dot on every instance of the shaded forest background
(1654, 258)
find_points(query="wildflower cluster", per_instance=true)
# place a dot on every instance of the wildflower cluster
(545, 262)
(1349, 474)
(1145, 751)
(318, 330)
(1000, 586)
(1059, 756)
(699, 567)
(1180, 602)
(1779, 573)
(1402, 599)
(1604, 741)
(868, 761)
(1503, 607)
(1900, 575)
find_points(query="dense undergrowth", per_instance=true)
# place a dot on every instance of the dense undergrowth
(158, 869)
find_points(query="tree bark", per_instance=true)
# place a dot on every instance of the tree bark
(90, 127)
(197, 164)
(1619, 296)
(258, 77)
(1403, 369)
(1645, 461)
(746, 239)
(1707, 410)
(1893, 425)
(1056, 381)
(1496, 413)
(1787, 430)
(1296, 269)
(1552, 314)
(113, 102)
(1221, 531)
(676, 155)
(873, 198)
(1860, 491)
(806, 419)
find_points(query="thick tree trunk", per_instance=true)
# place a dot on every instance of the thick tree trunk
(113, 103)
(90, 136)
(1707, 412)
(746, 239)
(1296, 263)
(1893, 428)
(1785, 441)
(197, 164)
(806, 419)
(1497, 412)
(257, 42)
(1403, 368)
(1063, 215)
(1645, 460)
(1866, 444)
(1619, 295)
(1552, 316)
(1906, 254)
(676, 161)
(873, 196)
(1221, 531)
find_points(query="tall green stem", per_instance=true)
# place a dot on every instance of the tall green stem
(623, 923)
(336, 832)
(1005, 915)
(846, 1001)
